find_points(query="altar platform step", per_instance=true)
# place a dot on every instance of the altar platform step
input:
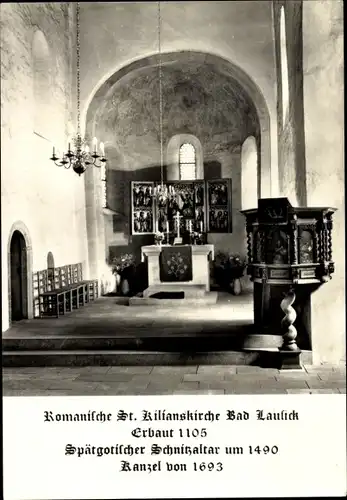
(108, 332)
(175, 294)
(265, 359)
(208, 299)
(189, 291)
(172, 350)
(135, 358)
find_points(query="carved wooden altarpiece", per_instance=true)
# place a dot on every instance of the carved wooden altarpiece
(204, 206)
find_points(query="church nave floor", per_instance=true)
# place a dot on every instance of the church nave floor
(110, 316)
(166, 380)
(144, 327)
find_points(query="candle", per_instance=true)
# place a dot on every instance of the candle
(190, 226)
(95, 143)
(201, 226)
(53, 151)
(167, 226)
(102, 148)
(87, 149)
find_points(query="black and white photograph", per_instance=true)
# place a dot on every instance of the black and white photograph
(173, 210)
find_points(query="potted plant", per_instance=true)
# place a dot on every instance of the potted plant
(123, 268)
(229, 269)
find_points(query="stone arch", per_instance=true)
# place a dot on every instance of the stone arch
(42, 90)
(172, 156)
(23, 230)
(97, 98)
(249, 168)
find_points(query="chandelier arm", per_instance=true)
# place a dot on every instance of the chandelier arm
(97, 165)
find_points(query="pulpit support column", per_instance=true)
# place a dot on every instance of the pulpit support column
(289, 352)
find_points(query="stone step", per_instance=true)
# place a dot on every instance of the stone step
(201, 341)
(136, 358)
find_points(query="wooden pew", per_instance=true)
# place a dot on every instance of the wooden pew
(62, 290)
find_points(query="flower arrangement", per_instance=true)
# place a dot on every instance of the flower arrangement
(158, 237)
(122, 262)
(196, 238)
(231, 266)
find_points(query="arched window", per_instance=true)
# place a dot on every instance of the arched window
(249, 174)
(103, 186)
(187, 162)
(50, 268)
(284, 65)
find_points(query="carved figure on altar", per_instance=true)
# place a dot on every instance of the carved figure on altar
(140, 197)
(199, 217)
(222, 195)
(137, 224)
(213, 220)
(162, 226)
(142, 221)
(199, 195)
(147, 200)
(187, 207)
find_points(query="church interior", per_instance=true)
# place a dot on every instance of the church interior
(172, 184)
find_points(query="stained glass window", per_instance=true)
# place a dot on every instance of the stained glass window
(187, 162)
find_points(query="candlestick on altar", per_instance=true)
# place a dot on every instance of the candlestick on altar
(201, 226)
(178, 239)
(190, 226)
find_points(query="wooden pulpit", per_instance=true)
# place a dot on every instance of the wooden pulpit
(289, 248)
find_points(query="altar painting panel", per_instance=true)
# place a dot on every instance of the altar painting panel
(219, 203)
(142, 207)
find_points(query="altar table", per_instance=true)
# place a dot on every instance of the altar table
(170, 272)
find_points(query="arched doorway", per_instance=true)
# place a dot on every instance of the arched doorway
(18, 277)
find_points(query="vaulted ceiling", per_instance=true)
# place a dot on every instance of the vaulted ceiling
(197, 98)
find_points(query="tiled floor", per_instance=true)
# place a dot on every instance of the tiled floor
(142, 380)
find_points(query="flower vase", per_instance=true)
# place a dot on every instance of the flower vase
(236, 288)
(116, 281)
(125, 288)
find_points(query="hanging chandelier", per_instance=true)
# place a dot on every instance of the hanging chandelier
(78, 155)
(162, 192)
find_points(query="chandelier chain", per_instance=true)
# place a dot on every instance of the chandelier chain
(78, 68)
(160, 95)
(79, 156)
